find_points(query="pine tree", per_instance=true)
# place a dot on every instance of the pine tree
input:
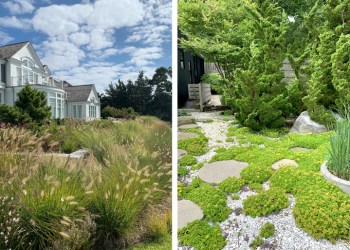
(260, 98)
(33, 103)
(341, 71)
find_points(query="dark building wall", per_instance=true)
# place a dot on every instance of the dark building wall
(190, 70)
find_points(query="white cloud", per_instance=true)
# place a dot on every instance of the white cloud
(82, 37)
(5, 38)
(116, 14)
(19, 6)
(61, 20)
(143, 56)
(61, 54)
(156, 28)
(101, 38)
(14, 22)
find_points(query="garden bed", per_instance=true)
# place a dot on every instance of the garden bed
(117, 196)
(302, 223)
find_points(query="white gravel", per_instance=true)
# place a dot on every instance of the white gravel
(240, 230)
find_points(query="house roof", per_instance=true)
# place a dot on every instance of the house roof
(8, 51)
(78, 93)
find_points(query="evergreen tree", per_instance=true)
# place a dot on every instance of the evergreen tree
(33, 103)
(145, 96)
(259, 94)
(341, 71)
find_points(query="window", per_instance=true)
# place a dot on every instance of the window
(0, 98)
(77, 111)
(56, 102)
(19, 76)
(190, 69)
(30, 77)
(25, 76)
(52, 103)
(92, 111)
(182, 58)
(3, 72)
(28, 63)
(36, 79)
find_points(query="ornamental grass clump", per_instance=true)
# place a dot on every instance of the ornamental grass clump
(339, 152)
(47, 203)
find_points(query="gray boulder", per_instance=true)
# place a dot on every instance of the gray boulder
(304, 124)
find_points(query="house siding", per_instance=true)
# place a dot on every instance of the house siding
(44, 82)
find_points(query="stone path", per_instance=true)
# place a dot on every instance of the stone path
(187, 126)
(181, 153)
(218, 171)
(182, 120)
(284, 162)
(185, 135)
(188, 211)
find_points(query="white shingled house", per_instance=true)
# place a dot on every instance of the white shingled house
(20, 66)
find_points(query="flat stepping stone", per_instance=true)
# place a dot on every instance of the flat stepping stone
(284, 162)
(181, 153)
(300, 149)
(182, 120)
(188, 126)
(187, 212)
(218, 171)
(79, 154)
(185, 135)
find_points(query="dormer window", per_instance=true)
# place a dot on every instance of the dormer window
(28, 63)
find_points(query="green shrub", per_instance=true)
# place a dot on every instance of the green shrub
(215, 80)
(320, 207)
(69, 146)
(323, 215)
(202, 236)
(188, 160)
(257, 187)
(339, 152)
(180, 187)
(124, 113)
(231, 185)
(194, 146)
(182, 171)
(212, 200)
(227, 112)
(33, 103)
(258, 241)
(13, 115)
(255, 174)
(266, 202)
(267, 230)
(235, 197)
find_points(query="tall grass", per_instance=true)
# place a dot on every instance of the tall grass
(339, 152)
(97, 202)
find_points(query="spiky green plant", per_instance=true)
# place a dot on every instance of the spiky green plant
(339, 151)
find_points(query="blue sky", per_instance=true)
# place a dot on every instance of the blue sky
(92, 41)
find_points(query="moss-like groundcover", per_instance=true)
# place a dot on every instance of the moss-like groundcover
(321, 208)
